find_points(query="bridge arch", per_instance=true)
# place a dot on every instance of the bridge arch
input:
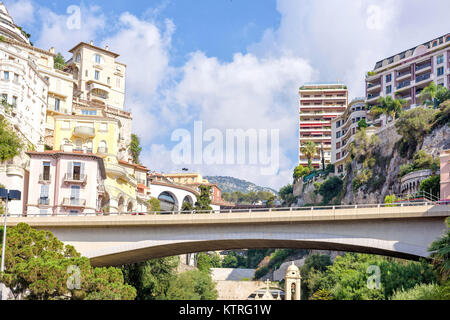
(173, 195)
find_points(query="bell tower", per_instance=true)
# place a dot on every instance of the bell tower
(292, 283)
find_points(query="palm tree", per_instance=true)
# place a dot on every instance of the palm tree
(389, 107)
(429, 93)
(309, 149)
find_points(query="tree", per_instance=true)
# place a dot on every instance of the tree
(300, 171)
(187, 206)
(440, 253)
(287, 195)
(432, 185)
(59, 61)
(154, 205)
(309, 149)
(362, 124)
(413, 125)
(423, 292)
(192, 285)
(204, 200)
(135, 148)
(206, 261)
(10, 144)
(151, 278)
(330, 189)
(39, 267)
(388, 106)
(434, 95)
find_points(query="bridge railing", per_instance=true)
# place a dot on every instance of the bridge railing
(256, 210)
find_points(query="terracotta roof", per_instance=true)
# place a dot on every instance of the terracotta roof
(138, 166)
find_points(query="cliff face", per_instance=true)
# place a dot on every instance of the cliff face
(388, 165)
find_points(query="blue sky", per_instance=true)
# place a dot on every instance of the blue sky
(233, 64)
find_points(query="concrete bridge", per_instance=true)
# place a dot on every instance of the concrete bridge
(403, 231)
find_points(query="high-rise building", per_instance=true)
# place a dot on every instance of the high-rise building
(319, 104)
(406, 74)
(343, 130)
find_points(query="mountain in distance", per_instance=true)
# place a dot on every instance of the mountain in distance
(230, 184)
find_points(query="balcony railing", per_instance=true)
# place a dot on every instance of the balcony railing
(423, 77)
(84, 132)
(45, 178)
(74, 202)
(75, 178)
(43, 201)
(372, 96)
(404, 73)
(404, 84)
(423, 66)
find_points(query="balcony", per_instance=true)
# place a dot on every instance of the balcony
(373, 96)
(75, 178)
(44, 201)
(372, 87)
(84, 132)
(73, 203)
(115, 170)
(403, 75)
(45, 178)
(423, 66)
(423, 78)
(404, 84)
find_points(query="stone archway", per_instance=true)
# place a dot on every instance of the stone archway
(130, 207)
(120, 204)
(168, 201)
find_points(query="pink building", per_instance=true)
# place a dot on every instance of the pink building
(64, 183)
(445, 175)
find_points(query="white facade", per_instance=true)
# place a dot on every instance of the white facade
(406, 74)
(343, 130)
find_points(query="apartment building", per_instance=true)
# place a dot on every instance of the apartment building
(406, 74)
(343, 129)
(65, 183)
(100, 89)
(319, 105)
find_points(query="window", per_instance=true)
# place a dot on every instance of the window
(5, 97)
(75, 171)
(78, 58)
(89, 112)
(75, 195)
(440, 59)
(97, 75)
(440, 71)
(6, 75)
(57, 104)
(14, 101)
(338, 135)
(46, 171)
(44, 198)
(98, 58)
(388, 89)
(388, 78)
(87, 73)
(108, 80)
(435, 44)
(16, 77)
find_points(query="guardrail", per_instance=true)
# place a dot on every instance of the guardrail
(257, 210)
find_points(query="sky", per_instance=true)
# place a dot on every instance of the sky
(232, 64)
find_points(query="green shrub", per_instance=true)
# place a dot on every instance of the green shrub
(330, 189)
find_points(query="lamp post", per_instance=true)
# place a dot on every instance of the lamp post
(7, 196)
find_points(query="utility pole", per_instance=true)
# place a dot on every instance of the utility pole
(7, 196)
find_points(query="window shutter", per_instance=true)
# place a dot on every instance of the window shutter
(82, 170)
(70, 169)
(44, 191)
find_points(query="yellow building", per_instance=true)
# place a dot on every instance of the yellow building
(100, 135)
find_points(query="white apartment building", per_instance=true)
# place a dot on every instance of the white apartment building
(319, 105)
(343, 129)
(406, 74)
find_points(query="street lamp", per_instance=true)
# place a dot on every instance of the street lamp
(6, 196)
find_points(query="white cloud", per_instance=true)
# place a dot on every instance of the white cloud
(56, 33)
(22, 11)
